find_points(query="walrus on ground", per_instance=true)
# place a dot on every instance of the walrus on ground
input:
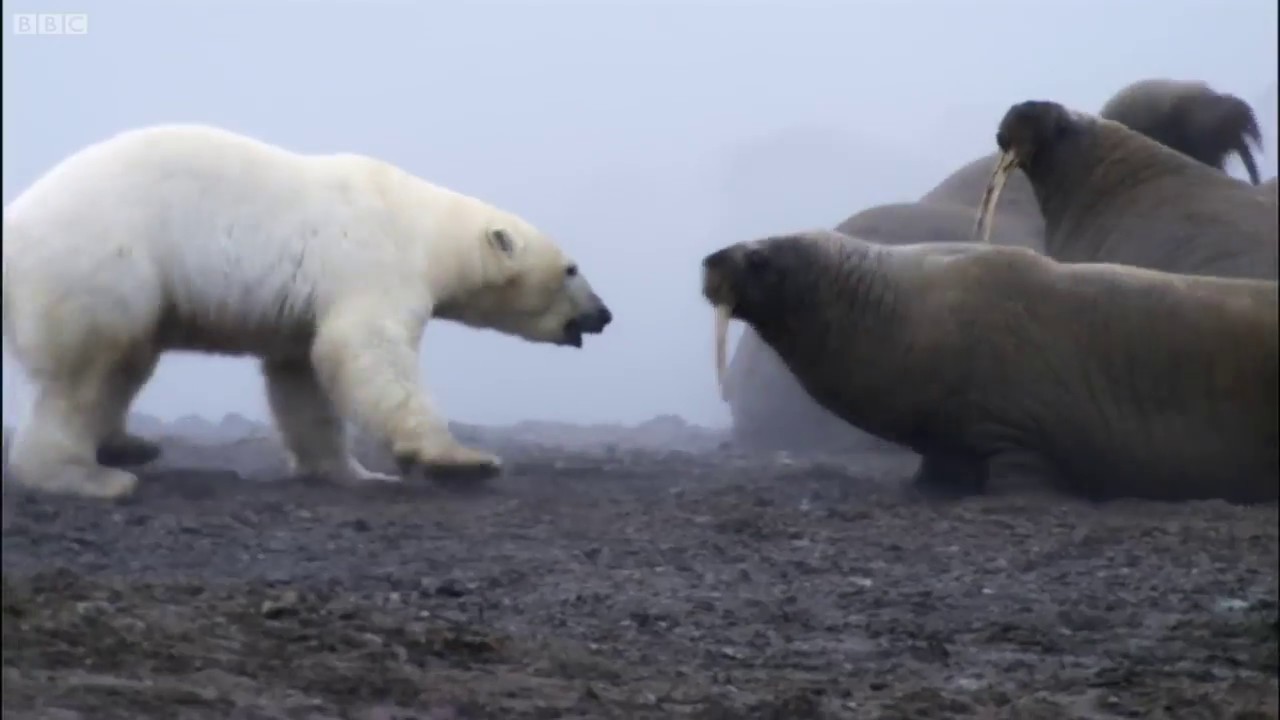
(770, 409)
(1112, 381)
(1190, 117)
(768, 406)
(1109, 194)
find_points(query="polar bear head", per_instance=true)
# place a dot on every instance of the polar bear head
(530, 288)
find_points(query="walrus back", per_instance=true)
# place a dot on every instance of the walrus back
(1179, 376)
(1124, 198)
(919, 222)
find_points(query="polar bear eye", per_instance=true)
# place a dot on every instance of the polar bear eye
(571, 270)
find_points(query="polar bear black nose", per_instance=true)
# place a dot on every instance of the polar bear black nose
(596, 320)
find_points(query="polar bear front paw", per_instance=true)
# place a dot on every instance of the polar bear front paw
(457, 462)
(357, 474)
(127, 451)
(343, 471)
(101, 483)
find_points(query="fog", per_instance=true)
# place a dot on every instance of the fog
(641, 135)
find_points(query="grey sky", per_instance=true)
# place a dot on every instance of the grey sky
(640, 134)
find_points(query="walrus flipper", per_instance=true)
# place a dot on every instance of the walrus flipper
(950, 475)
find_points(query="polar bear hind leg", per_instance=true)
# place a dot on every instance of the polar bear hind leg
(366, 359)
(313, 432)
(119, 448)
(56, 449)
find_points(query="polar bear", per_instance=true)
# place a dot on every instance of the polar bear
(325, 267)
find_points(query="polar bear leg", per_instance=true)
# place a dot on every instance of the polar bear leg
(314, 434)
(119, 448)
(56, 449)
(366, 358)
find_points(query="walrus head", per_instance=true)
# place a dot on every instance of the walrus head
(734, 280)
(1028, 131)
(1189, 117)
(760, 282)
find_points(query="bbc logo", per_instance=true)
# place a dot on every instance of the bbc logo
(50, 24)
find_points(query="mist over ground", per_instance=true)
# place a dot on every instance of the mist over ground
(641, 135)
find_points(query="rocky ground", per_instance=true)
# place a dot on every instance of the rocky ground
(628, 573)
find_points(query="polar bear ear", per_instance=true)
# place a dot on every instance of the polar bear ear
(502, 241)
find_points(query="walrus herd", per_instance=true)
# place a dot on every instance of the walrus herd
(768, 405)
(1109, 194)
(1130, 350)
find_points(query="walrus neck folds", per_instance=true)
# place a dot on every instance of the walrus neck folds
(805, 318)
(1079, 174)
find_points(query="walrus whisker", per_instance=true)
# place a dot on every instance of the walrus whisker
(990, 196)
(723, 313)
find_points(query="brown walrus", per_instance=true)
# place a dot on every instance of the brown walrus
(770, 409)
(1109, 194)
(1190, 117)
(1111, 381)
(768, 406)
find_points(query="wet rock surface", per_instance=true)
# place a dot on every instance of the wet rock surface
(604, 576)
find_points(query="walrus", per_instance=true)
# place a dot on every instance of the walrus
(1191, 117)
(769, 408)
(1109, 194)
(1110, 381)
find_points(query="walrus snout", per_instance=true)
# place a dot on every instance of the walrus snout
(718, 269)
(1026, 130)
(1030, 126)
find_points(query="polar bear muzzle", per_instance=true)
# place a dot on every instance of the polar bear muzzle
(591, 322)
(589, 314)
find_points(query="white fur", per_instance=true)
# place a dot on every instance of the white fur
(325, 266)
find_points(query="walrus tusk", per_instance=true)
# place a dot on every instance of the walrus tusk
(1004, 165)
(722, 341)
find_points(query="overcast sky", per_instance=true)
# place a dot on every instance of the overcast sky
(640, 134)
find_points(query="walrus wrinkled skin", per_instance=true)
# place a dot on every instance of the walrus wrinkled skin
(1109, 381)
(770, 409)
(760, 387)
(1190, 117)
(1109, 194)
